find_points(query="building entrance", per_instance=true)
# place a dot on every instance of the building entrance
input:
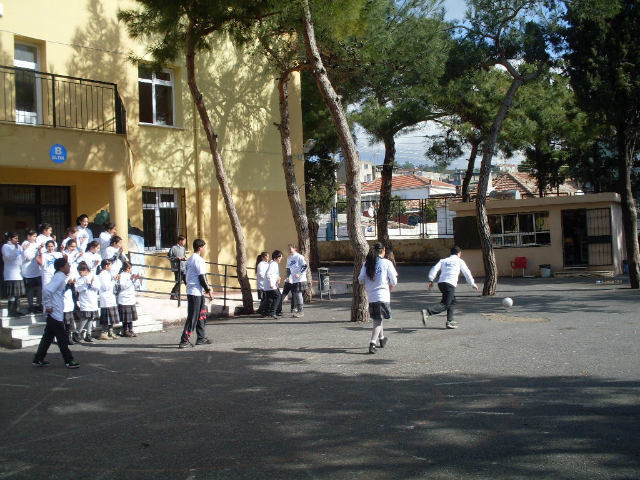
(27, 206)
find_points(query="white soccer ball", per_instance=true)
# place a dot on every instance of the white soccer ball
(507, 302)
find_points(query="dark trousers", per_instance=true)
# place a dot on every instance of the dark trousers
(274, 299)
(180, 277)
(262, 295)
(448, 301)
(285, 292)
(53, 329)
(196, 317)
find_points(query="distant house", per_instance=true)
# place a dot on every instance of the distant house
(409, 187)
(368, 172)
(526, 184)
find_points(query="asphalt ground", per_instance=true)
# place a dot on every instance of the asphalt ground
(546, 389)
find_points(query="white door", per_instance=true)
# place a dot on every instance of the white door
(28, 85)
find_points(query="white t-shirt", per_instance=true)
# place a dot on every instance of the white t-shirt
(378, 288)
(84, 237)
(42, 240)
(271, 277)
(451, 268)
(92, 260)
(69, 302)
(105, 241)
(297, 266)
(73, 258)
(194, 267)
(107, 298)
(30, 265)
(53, 296)
(127, 293)
(87, 288)
(113, 254)
(12, 257)
(48, 269)
(261, 270)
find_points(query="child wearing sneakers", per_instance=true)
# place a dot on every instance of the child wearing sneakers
(53, 301)
(108, 305)
(87, 288)
(127, 300)
(379, 276)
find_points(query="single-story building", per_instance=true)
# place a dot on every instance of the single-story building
(565, 232)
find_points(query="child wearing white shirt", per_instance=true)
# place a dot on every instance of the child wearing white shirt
(262, 264)
(114, 253)
(105, 238)
(127, 300)
(108, 304)
(70, 306)
(47, 259)
(31, 271)
(92, 256)
(13, 283)
(85, 235)
(87, 286)
(44, 230)
(72, 233)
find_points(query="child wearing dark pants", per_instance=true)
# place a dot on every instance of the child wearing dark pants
(196, 273)
(272, 290)
(53, 302)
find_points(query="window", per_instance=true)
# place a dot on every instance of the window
(155, 91)
(520, 229)
(163, 217)
(28, 88)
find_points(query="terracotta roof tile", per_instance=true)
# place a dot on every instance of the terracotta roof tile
(399, 182)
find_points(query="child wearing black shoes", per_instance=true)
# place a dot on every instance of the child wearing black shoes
(53, 301)
(379, 276)
(87, 288)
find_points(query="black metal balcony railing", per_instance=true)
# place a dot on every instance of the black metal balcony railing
(30, 97)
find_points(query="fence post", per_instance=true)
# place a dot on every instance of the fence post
(225, 287)
(179, 282)
(53, 99)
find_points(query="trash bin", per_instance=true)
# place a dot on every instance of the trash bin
(545, 270)
(323, 282)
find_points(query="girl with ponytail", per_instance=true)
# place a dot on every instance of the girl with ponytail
(379, 276)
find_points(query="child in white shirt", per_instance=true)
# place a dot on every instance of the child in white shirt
(84, 235)
(114, 253)
(44, 230)
(31, 271)
(92, 256)
(72, 255)
(70, 306)
(108, 304)
(262, 264)
(127, 300)
(87, 286)
(47, 259)
(72, 233)
(13, 284)
(105, 238)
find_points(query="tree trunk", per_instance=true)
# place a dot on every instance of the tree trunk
(384, 205)
(236, 226)
(314, 258)
(359, 305)
(293, 192)
(466, 195)
(629, 213)
(488, 257)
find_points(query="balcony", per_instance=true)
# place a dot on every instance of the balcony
(29, 97)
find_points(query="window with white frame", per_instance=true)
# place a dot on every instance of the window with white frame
(163, 217)
(156, 95)
(520, 229)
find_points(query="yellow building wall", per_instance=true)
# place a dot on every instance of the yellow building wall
(240, 92)
(552, 254)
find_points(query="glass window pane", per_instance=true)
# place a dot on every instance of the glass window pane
(26, 53)
(166, 198)
(510, 240)
(145, 72)
(148, 198)
(528, 239)
(164, 105)
(165, 76)
(497, 241)
(168, 227)
(495, 223)
(149, 228)
(542, 222)
(526, 222)
(543, 238)
(510, 223)
(25, 91)
(145, 102)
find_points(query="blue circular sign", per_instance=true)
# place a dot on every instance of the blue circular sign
(58, 153)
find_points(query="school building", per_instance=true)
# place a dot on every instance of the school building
(85, 129)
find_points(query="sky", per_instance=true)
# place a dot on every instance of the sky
(411, 147)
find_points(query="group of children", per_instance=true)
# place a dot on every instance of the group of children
(268, 277)
(99, 283)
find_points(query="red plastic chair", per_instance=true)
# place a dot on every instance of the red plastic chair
(519, 262)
